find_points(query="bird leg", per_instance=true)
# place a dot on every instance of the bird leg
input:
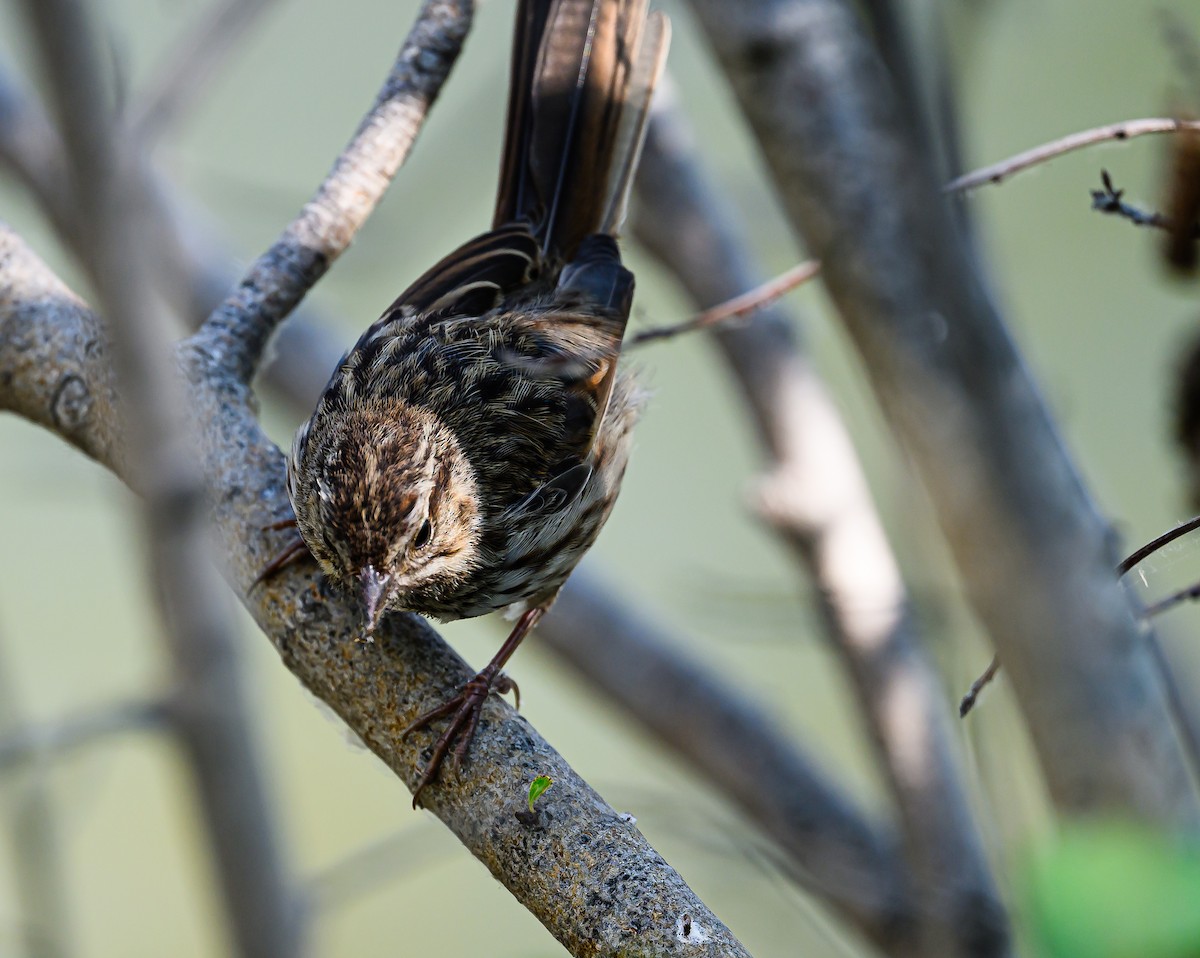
(466, 707)
(294, 551)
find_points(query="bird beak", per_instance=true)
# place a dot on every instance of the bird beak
(374, 597)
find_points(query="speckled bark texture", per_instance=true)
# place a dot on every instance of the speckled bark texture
(586, 873)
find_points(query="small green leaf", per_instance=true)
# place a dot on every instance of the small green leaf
(537, 787)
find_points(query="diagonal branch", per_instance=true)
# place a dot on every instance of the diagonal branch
(235, 335)
(1034, 554)
(585, 873)
(815, 498)
(209, 708)
(827, 844)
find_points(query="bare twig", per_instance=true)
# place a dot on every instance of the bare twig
(1126, 130)
(1125, 565)
(815, 498)
(736, 307)
(1187, 594)
(982, 682)
(209, 711)
(1108, 199)
(1029, 543)
(235, 334)
(1142, 553)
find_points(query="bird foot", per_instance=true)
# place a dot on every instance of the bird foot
(464, 710)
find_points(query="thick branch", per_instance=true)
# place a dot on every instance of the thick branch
(830, 848)
(815, 498)
(835, 851)
(1032, 550)
(588, 876)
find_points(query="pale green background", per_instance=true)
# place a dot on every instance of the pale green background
(1103, 333)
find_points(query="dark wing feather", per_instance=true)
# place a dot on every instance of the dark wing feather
(493, 263)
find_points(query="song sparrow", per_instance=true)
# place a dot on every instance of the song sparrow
(470, 446)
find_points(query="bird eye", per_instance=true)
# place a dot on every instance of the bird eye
(424, 534)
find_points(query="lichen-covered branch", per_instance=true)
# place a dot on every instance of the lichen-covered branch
(587, 874)
(828, 846)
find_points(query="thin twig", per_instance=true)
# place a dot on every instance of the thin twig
(983, 681)
(738, 307)
(1108, 199)
(234, 336)
(1142, 553)
(1188, 593)
(1126, 130)
(1125, 565)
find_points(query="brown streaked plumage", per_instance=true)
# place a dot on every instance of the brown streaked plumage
(471, 445)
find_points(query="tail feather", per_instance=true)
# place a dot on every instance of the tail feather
(647, 70)
(583, 72)
(514, 201)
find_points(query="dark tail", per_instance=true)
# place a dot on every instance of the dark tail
(583, 72)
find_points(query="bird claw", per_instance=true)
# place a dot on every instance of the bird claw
(502, 685)
(464, 709)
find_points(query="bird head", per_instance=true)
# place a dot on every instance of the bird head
(387, 503)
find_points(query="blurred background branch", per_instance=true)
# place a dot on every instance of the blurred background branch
(899, 873)
(1032, 550)
(208, 711)
(814, 497)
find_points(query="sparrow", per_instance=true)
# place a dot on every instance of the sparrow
(470, 446)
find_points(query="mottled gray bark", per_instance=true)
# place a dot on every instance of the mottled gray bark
(1035, 556)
